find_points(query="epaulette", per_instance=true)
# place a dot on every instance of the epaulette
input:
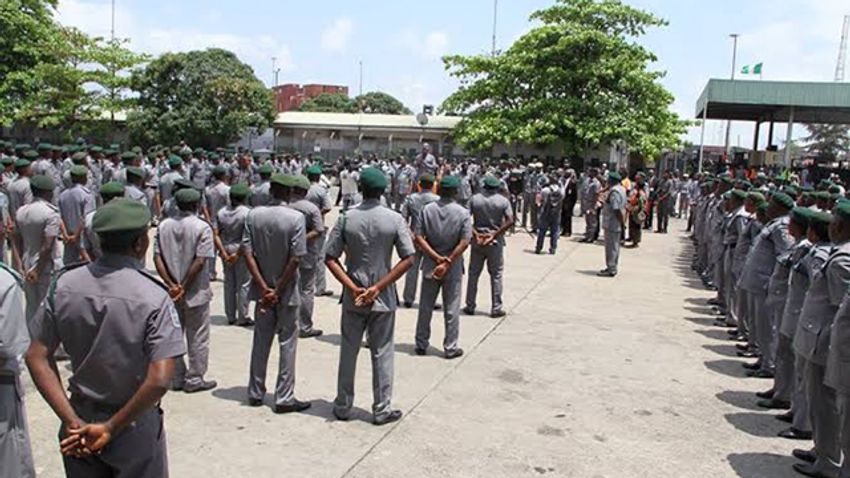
(154, 278)
(13, 273)
(51, 291)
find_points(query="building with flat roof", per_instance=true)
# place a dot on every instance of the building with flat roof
(290, 96)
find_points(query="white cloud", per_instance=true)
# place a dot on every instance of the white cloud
(436, 44)
(95, 18)
(335, 37)
(430, 46)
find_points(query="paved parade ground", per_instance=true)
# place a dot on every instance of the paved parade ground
(585, 377)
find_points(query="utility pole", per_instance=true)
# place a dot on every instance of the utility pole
(842, 50)
(495, 19)
(734, 67)
(112, 29)
(274, 65)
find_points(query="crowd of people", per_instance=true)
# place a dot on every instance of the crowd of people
(777, 251)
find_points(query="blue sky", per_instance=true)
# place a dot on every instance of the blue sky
(400, 42)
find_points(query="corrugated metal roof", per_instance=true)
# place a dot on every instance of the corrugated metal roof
(813, 102)
(298, 119)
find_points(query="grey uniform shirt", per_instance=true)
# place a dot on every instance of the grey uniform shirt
(231, 226)
(74, 204)
(805, 257)
(14, 338)
(20, 194)
(318, 195)
(166, 184)
(616, 202)
(313, 222)
(444, 224)
(490, 210)
(261, 194)
(136, 194)
(113, 319)
(274, 234)
(413, 205)
(179, 240)
(218, 197)
(90, 241)
(35, 222)
(589, 194)
(771, 243)
(367, 234)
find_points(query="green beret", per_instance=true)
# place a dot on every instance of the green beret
(314, 170)
(30, 154)
(822, 195)
(7, 161)
(266, 169)
(213, 156)
(129, 156)
(842, 209)
(240, 191)
(42, 182)
(22, 163)
(427, 179)
(44, 146)
(121, 215)
(284, 180)
(373, 178)
(183, 183)
(449, 182)
(187, 195)
(825, 183)
(791, 191)
(746, 185)
(136, 171)
(111, 189)
(783, 200)
(136, 149)
(491, 181)
(57, 148)
(614, 176)
(762, 207)
(726, 180)
(22, 146)
(727, 195)
(199, 150)
(185, 152)
(95, 149)
(835, 189)
(78, 157)
(707, 184)
(756, 197)
(802, 215)
(175, 161)
(821, 217)
(301, 182)
(79, 171)
(110, 152)
(219, 170)
(739, 194)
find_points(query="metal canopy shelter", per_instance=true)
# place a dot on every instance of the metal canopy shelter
(773, 101)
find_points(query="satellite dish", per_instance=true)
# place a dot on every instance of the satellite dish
(422, 119)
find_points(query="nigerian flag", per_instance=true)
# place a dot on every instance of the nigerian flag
(757, 69)
(745, 70)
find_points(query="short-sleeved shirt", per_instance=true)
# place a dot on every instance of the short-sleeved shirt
(36, 222)
(113, 319)
(490, 210)
(616, 202)
(313, 222)
(273, 235)
(14, 337)
(74, 204)
(166, 184)
(261, 194)
(218, 197)
(90, 242)
(318, 195)
(367, 234)
(444, 224)
(136, 194)
(231, 226)
(20, 194)
(413, 205)
(179, 240)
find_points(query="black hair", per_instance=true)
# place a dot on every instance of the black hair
(188, 206)
(373, 193)
(821, 229)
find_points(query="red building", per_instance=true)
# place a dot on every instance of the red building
(289, 97)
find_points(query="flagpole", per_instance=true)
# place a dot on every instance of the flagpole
(734, 66)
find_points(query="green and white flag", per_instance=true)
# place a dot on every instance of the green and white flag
(755, 70)
(745, 70)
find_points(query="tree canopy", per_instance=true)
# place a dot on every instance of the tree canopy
(330, 103)
(580, 78)
(828, 141)
(206, 98)
(375, 102)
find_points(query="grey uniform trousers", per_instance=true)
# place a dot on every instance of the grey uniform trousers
(742, 307)
(411, 278)
(760, 322)
(529, 207)
(281, 321)
(380, 327)
(321, 283)
(139, 450)
(591, 221)
(71, 254)
(237, 283)
(612, 250)
(824, 415)
(196, 326)
(35, 294)
(451, 288)
(307, 291)
(799, 401)
(493, 255)
(784, 381)
(15, 451)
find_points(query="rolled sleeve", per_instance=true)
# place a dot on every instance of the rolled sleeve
(335, 244)
(163, 334)
(52, 228)
(298, 242)
(42, 326)
(403, 243)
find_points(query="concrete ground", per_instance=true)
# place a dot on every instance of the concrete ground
(585, 377)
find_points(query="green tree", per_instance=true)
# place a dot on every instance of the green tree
(378, 102)
(207, 98)
(114, 63)
(828, 141)
(579, 78)
(330, 103)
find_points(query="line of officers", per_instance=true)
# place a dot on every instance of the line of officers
(126, 330)
(779, 259)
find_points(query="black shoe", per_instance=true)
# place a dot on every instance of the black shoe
(498, 314)
(295, 406)
(742, 347)
(324, 293)
(747, 354)
(310, 334)
(794, 434)
(606, 274)
(177, 387)
(342, 419)
(408, 305)
(804, 455)
(438, 307)
(394, 416)
(727, 325)
(760, 374)
(453, 354)
(420, 352)
(468, 311)
(785, 417)
(713, 301)
(551, 252)
(255, 402)
(538, 251)
(767, 394)
(808, 470)
(248, 322)
(751, 366)
(774, 404)
(200, 387)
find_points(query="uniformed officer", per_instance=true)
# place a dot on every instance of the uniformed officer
(367, 235)
(184, 245)
(91, 242)
(442, 233)
(274, 243)
(318, 195)
(15, 451)
(74, 203)
(828, 286)
(38, 226)
(549, 215)
(166, 182)
(112, 424)
(217, 198)
(229, 227)
(589, 197)
(20, 191)
(411, 210)
(492, 216)
(135, 185)
(307, 266)
(613, 223)
(260, 194)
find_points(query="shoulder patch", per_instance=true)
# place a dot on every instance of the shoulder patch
(153, 278)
